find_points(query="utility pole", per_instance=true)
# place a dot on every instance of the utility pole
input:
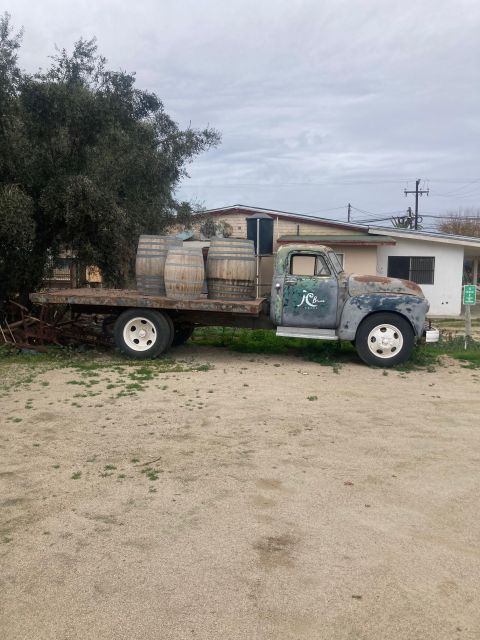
(417, 192)
(349, 211)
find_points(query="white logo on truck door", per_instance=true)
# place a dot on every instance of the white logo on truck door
(310, 299)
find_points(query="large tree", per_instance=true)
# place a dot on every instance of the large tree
(463, 222)
(87, 162)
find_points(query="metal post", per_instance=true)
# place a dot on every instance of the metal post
(258, 257)
(468, 324)
(417, 184)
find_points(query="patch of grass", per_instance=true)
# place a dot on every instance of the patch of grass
(143, 373)
(311, 398)
(134, 460)
(134, 386)
(267, 342)
(454, 348)
(470, 359)
(76, 475)
(110, 467)
(152, 474)
(90, 366)
(202, 367)
(333, 354)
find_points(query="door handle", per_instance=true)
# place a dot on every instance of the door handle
(277, 286)
(290, 281)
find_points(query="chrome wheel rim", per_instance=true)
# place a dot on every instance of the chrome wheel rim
(385, 341)
(139, 334)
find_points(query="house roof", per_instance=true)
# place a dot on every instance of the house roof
(356, 239)
(390, 232)
(301, 217)
(431, 236)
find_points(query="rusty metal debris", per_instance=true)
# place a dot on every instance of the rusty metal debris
(23, 330)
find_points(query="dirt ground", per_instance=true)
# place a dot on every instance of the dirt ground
(226, 504)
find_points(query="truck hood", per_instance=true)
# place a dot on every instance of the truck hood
(360, 284)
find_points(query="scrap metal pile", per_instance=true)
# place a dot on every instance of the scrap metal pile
(21, 328)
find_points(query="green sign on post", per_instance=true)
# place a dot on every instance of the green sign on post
(469, 294)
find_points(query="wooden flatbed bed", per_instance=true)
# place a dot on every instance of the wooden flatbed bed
(108, 300)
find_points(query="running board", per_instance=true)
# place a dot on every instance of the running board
(305, 332)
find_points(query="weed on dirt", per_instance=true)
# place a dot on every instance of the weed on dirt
(90, 369)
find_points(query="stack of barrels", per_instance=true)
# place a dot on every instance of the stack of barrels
(165, 267)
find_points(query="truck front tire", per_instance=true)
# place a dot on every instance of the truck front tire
(384, 340)
(143, 334)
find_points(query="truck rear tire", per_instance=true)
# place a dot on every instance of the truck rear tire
(181, 334)
(143, 334)
(384, 340)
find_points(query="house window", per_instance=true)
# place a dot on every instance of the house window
(415, 268)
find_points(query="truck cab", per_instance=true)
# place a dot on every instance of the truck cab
(313, 297)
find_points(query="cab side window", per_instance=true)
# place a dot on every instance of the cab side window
(302, 265)
(308, 265)
(322, 267)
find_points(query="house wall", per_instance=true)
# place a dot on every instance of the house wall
(357, 259)
(362, 260)
(446, 292)
(281, 227)
(285, 227)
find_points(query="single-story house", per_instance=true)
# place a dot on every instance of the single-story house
(434, 260)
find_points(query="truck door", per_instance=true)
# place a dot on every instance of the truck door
(310, 292)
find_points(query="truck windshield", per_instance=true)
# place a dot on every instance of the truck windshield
(335, 261)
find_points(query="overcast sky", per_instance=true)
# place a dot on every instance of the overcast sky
(319, 102)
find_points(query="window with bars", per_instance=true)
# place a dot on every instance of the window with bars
(419, 269)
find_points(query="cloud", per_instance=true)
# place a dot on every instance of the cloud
(318, 103)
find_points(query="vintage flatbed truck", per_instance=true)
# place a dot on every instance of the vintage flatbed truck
(311, 297)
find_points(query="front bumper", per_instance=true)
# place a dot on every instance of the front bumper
(431, 334)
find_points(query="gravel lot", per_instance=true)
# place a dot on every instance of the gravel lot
(266, 497)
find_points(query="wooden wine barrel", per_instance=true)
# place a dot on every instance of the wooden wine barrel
(231, 269)
(150, 263)
(184, 273)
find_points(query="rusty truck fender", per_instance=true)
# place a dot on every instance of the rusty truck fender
(357, 308)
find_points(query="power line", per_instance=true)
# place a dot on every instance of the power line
(226, 185)
(467, 184)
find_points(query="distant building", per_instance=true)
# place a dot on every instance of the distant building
(433, 260)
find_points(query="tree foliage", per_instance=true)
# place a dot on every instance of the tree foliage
(463, 222)
(87, 162)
